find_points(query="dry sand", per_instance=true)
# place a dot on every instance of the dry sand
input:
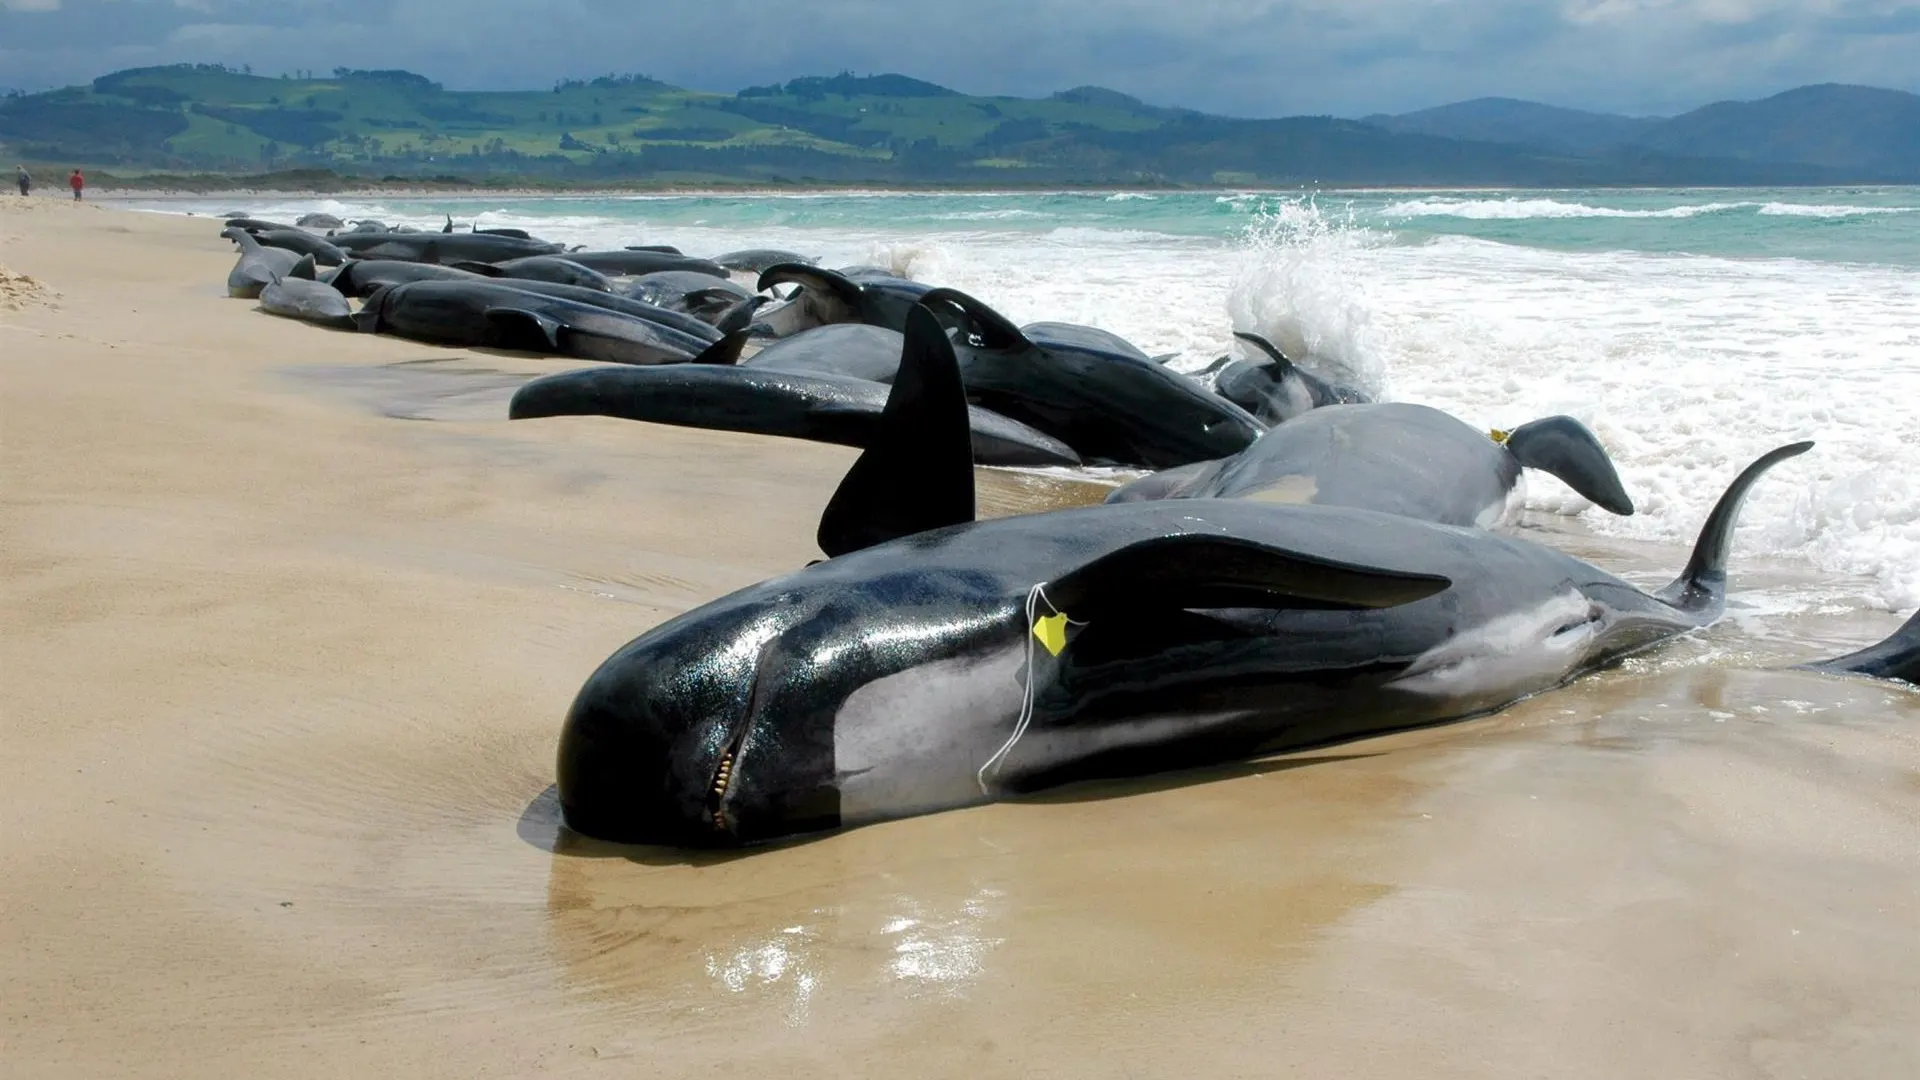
(291, 618)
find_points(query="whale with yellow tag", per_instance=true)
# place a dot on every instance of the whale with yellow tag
(930, 662)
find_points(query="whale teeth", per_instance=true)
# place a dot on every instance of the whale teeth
(722, 780)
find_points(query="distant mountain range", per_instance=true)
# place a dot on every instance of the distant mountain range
(850, 130)
(1859, 130)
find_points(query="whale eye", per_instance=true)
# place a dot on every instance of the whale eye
(1593, 615)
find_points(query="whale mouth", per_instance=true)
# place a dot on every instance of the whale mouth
(721, 786)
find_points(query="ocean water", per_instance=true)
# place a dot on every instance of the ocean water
(1691, 329)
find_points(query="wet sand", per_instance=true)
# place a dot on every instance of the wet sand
(289, 629)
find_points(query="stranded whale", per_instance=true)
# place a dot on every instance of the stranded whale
(934, 662)
(1400, 459)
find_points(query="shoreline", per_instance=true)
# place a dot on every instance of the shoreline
(456, 193)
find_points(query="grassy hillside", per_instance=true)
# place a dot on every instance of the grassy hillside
(842, 130)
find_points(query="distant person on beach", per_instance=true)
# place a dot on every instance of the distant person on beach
(78, 183)
(25, 180)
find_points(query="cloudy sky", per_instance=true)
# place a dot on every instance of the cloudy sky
(1242, 57)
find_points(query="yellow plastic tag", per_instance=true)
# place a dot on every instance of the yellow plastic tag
(1052, 632)
(1499, 436)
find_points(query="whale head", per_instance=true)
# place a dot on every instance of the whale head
(791, 707)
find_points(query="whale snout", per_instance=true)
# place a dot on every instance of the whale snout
(647, 737)
(633, 772)
(668, 743)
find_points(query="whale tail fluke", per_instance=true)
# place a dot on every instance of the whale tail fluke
(917, 471)
(1898, 657)
(1564, 447)
(1282, 365)
(1701, 589)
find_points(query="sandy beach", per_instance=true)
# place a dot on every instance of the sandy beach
(291, 619)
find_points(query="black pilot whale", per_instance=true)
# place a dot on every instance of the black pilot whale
(934, 662)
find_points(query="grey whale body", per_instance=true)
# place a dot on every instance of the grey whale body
(1397, 458)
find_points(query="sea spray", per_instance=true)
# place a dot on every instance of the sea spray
(1302, 286)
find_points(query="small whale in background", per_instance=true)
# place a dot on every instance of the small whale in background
(1403, 459)
(1278, 389)
(504, 317)
(818, 405)
(260, 266)
(1090, 389)
(300, 297)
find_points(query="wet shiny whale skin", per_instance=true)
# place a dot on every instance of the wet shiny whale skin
(888, 681)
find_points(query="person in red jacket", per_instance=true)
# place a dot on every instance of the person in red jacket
(77, 182)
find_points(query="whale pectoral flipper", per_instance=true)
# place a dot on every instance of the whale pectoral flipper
(1204, 570)
(917, 472)
(1701, 589)
(1898, 657)
(518, 328)
(1564, 447)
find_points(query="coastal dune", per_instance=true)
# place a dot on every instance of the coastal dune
(292, 616)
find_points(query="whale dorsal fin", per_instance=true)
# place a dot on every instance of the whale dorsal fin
(917, 471)
(1701, 589)
(1563, 447)
(739, 316)
(726, 351)
(471, 266)
(1206, 570)
(663, 249)
(995, 330)
(307, 268)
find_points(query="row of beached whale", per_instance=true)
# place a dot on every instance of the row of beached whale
(1306, 567)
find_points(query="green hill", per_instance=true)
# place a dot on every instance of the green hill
(1868, 131)
(839, 130)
